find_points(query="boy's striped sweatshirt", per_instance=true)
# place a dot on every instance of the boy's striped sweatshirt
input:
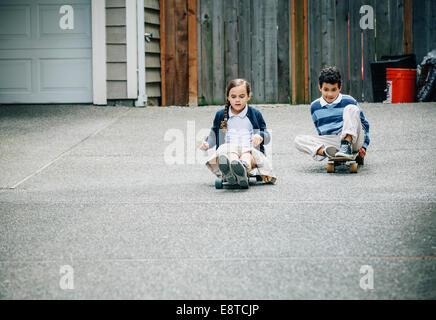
(328, 117)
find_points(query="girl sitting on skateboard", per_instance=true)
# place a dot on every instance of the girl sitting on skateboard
(239, 134)
(341, 125)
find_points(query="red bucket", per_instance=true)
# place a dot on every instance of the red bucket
(400, 85)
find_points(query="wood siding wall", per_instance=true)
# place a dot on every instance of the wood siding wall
(152, 52)
(116, 49)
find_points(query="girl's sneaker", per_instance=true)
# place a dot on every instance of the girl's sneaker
(240, 170)
(224, 166)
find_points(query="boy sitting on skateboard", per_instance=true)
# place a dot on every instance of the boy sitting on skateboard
(341, 125)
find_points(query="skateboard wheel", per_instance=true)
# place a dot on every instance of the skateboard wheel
(353, 167)
(218, 184)
(330, 167)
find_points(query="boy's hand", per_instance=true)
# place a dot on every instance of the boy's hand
(256, 139)
(203, 145)
(362, 152)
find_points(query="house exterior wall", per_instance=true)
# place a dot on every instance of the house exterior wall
(152, 52)
(116, 47)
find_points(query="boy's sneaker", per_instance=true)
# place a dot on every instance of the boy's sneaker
(224, 166)
(345, 150)
(239, 168)
(330, 151)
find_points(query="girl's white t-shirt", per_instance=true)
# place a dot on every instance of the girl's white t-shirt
(239, 129)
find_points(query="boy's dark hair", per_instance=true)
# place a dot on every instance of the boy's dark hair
(330, 75)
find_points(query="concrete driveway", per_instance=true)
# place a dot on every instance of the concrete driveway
(92, 208)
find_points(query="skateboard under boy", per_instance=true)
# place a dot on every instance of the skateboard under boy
(353, 162)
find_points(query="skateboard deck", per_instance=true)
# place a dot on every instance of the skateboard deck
(335, 161)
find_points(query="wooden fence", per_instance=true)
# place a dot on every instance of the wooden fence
(244, 39)
(280, 46)
(424, 27)
(336, 38)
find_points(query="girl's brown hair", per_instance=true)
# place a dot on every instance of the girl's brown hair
(232, 84)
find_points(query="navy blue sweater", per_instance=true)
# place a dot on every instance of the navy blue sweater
(217, 136)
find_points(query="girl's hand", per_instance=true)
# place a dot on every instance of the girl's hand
(256, 139)
(362, 152)
(203, 145)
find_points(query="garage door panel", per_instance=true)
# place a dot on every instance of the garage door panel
(48, 54)
(48, 97)
(17, 75)
(45, 44)
(15, 22)
(52, 23)
(54, 77)
(45, 51)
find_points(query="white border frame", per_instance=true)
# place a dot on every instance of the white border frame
(98, 9)
(131, 48)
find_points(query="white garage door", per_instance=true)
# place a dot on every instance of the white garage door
(45, 51)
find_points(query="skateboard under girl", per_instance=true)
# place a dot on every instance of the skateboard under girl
(253, 175)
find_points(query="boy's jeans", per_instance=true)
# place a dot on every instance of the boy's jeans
(352, 126)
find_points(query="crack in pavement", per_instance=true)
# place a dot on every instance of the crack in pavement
(69, 149)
